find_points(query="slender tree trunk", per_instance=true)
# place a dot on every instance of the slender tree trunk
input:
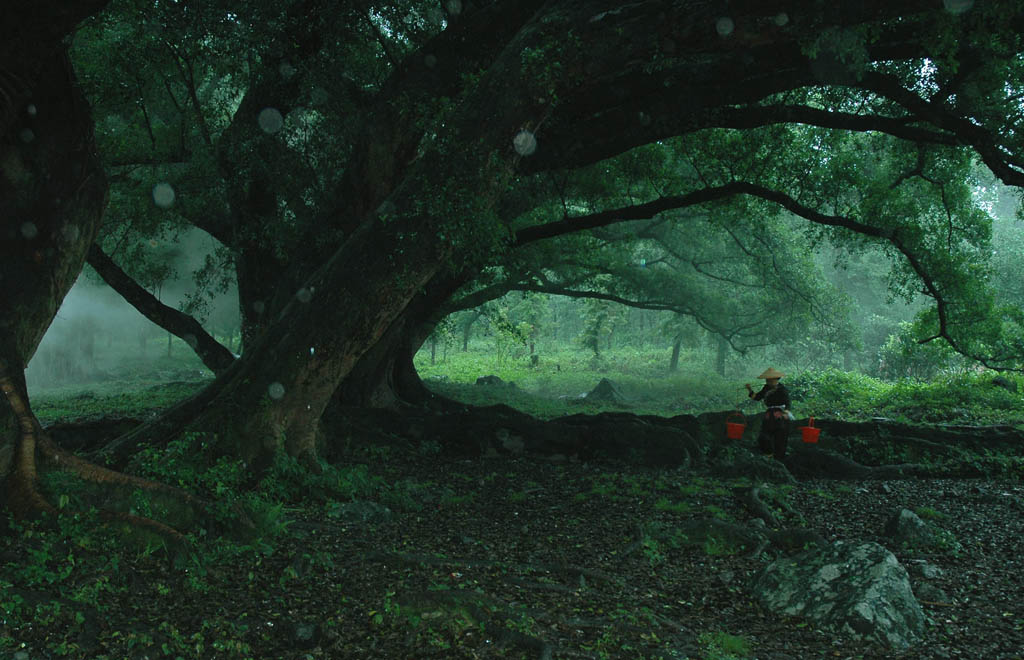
(673, 363)
(720, 355)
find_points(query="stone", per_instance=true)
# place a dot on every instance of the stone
(606, 390)
(858, 589)
(927, 571)
(360, 512)
(906, 528)
(926, 591)
(305, 635)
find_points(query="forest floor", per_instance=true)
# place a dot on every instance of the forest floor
(507, 558)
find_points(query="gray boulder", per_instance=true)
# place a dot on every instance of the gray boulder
(906, 528)
(606, 391)
(856, 589)
(359, 512)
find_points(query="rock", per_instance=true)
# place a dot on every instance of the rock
(493, 381)
(360, 512)
(929, 592)
(907, 528)
(857, 589)
(927, 571)
(606, 391)
(305, 635)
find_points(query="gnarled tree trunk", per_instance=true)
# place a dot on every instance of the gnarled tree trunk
(52, 195)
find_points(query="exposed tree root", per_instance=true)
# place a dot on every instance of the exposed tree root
(23, 496)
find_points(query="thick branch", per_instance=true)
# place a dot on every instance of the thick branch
(212, 353)
(1003, 164)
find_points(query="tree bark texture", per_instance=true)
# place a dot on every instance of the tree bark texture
(52, 195)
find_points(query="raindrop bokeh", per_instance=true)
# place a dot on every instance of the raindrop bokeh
(258, 307)
(525, 143)
(29, 230)
(286, 70)
(163, 195)
(454, 7)
(31, 109)
(781, 18)
(724, 26)
(957, 6)
(26, 135)
(275, 391)
(304, 294)
(270, 120)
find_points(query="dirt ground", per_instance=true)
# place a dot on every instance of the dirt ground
(532, 558)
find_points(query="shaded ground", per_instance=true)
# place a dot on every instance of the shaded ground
(517, 558)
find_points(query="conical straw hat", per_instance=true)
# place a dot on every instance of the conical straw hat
(771, 372)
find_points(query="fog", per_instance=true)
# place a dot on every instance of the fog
(96, 336)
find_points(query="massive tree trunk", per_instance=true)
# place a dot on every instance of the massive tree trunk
(52, 196)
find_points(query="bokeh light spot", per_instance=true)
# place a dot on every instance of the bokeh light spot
(163, 195)
(270, 120)
(525, 143)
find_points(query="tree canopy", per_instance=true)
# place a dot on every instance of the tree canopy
(369, 167)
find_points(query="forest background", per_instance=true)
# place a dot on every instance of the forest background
(341, 215)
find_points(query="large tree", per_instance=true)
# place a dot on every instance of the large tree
(442, 120)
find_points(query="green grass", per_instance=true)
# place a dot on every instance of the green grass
(555, 386)
(120, 385)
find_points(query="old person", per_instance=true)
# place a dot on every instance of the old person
(775, 426)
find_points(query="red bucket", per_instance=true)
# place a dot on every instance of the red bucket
(809, 433)
(734, 430)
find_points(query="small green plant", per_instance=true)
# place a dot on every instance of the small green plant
(928, 513)
(718, 546)
(665, 504)
(723, 646)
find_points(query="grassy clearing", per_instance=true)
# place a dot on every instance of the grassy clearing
(555, 385)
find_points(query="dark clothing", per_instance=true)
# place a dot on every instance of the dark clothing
(775, 424)
(773, 396)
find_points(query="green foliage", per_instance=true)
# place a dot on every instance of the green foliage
(903, 356)
(289, 480)
(720, 645)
